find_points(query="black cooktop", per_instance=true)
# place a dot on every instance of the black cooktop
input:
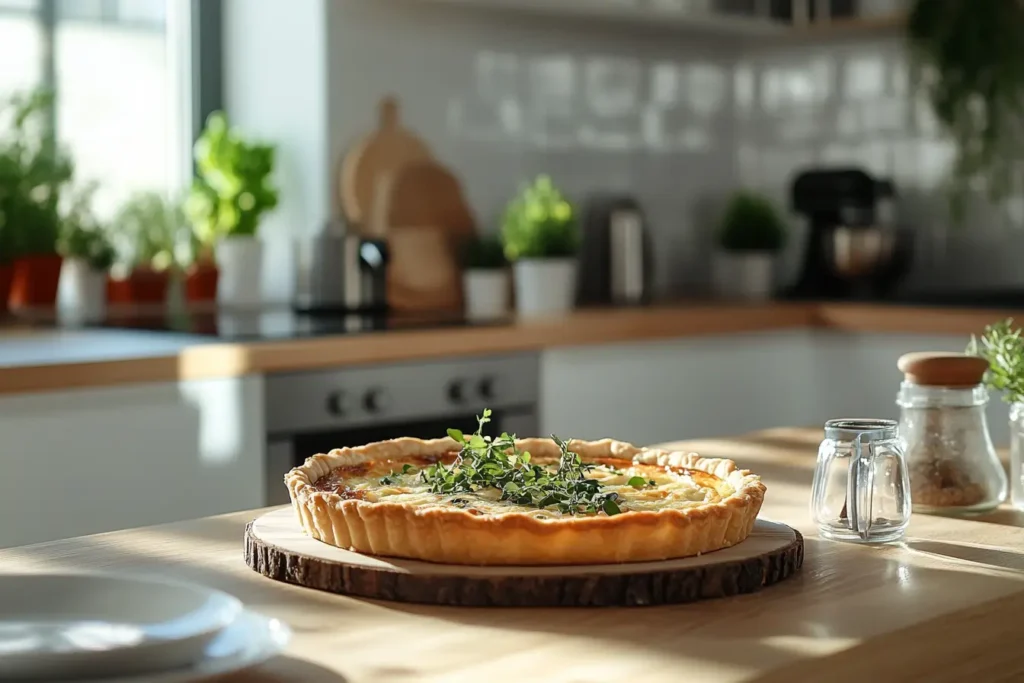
(280, 323)
(286, 323)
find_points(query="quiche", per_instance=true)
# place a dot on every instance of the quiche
(476, 500)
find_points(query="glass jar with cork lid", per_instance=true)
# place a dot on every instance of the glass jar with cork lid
(952, 463)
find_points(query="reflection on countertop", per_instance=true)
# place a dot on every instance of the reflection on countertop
(282, 322)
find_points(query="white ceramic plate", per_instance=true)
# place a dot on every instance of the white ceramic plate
(68, 626)
(251, 639)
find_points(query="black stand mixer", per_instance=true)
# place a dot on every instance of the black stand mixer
(854, 251)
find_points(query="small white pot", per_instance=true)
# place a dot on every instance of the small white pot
(486, 293)
(749, 276)
(545, 287)
(82, 292)
(240, 260)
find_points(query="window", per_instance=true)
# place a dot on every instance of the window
(21, 46)
(121, 71)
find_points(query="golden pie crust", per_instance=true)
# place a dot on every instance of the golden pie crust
(453, 535)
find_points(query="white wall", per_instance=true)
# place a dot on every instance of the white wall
(276, 89)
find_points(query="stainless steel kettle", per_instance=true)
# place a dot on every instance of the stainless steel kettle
(615, 258)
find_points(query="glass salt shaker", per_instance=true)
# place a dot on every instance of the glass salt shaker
(861, 490)
(953, 465)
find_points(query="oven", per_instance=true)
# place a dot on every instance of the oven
(316, 411)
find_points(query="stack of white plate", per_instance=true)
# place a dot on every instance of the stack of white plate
(91, 627)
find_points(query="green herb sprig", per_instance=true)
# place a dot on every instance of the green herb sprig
(1003, 347)
(391, 479)
(485, 462)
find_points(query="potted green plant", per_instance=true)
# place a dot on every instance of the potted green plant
(541, 239)
(485, 278)
(33, 171)
(750, 236)
(88, 256)
(966, 57)
(231, 193)
(145, 232)
(1002, 345)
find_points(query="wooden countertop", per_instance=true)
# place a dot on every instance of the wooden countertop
(945, 605)
(199, 359)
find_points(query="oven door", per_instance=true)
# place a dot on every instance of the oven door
(286, 452)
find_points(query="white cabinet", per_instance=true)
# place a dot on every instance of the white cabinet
(856, 376)
(726, 385)
(688, 388)
(87, 461)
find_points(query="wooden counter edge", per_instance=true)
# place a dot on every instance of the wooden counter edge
(587, 327)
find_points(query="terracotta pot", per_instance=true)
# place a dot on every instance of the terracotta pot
(34, 281)
(6, 274)
(201, 282)
(143, 286)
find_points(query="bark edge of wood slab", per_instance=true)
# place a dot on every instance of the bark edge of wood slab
(275, 552)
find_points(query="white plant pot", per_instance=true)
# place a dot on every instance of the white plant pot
(748, 276)
(240, 283)
(486, 293)
(545, 287)
(81, 293)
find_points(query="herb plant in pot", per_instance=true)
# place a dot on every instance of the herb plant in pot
(229, 196)
(485, 280)
(541, 240)
(33, 170)
(749, 238)
(1002, 345)
(145, 232)
(88, 256)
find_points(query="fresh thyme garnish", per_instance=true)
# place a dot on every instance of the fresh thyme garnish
(389, 479)
(1003, 347)
(485, 462)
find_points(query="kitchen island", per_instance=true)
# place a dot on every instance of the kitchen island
(943, 606)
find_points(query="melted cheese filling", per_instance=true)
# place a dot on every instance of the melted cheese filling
(671, 488)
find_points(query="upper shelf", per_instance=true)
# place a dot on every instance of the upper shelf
(681, 15)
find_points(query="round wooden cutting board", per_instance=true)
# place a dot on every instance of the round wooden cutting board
(381, 152)
(276, 547)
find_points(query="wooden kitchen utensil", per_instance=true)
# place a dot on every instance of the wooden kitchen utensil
(422, 193)
(423, 272)
(276, 547)
(386, 149)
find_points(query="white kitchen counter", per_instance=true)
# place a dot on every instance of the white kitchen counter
(57, 347)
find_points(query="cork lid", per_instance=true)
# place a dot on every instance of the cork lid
(942, 369)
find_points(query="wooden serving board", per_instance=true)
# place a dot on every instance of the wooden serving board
(276, 547)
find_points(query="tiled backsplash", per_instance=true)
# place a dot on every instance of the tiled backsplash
(851, 102)
(676, 117)
(501, 97)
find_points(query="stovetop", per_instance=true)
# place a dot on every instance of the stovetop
(280, 323)
(284, 323)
